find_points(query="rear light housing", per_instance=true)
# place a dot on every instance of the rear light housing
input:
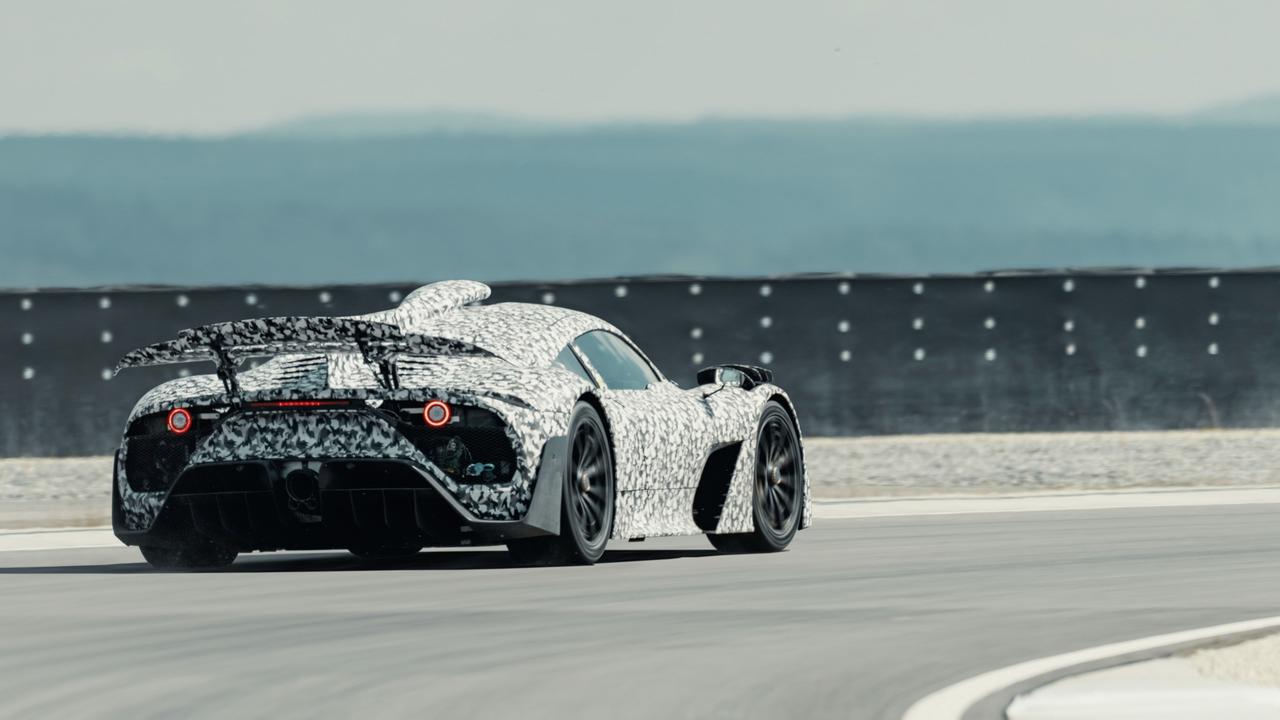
(179, 421)
(437, 414)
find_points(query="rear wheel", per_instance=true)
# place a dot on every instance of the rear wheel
(203, 556)
(586, 504)
(778, 492)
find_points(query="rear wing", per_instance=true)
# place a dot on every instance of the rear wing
(227, 344)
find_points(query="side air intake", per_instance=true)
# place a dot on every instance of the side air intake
(713, 487)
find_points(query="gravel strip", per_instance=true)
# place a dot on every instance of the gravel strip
(838, 467)
(55, 492)
(1029, 462)
(1254, 662)
(35, 479)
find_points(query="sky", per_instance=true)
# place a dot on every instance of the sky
(210, 68)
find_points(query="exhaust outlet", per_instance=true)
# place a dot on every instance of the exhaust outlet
(303, 488)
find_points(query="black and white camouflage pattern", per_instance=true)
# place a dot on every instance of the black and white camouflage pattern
(657, 480)
(497, 357)
(347, 434)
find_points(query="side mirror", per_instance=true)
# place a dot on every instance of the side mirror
(723, 376)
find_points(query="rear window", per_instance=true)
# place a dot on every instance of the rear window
(568, 361)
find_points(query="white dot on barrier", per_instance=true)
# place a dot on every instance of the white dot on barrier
(25, 303)
(1139, 322)
(918, 288)
(620, 291)
(1071, 348)
(28, 338)
(695, 289)
(990, 354)
(28, 373)
(766, 322)
(989, 286)
(766, 357)
(182, 300)
(843, 326)
(106, 373)
(843, 288)
(548, 298)
(1213, 282)
(696, 333)
(845, 356)
(989, 323)
(1069, 326)
(1068, 285)
(250, 299)
(1141, 351)
(1139, 282)
(184, 372)
(1213, 318)
(765, 291)
(325, 297)
(697, 358)
(106, 336)
(918, 354)
(395, 296)
(104, 302)
(1213, 348)
(917, 323)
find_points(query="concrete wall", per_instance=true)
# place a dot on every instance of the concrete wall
(860, 354)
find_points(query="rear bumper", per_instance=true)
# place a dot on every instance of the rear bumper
(358, 503)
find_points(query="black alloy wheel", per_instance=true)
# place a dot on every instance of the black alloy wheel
(590, 486)
(778, 492)
(587, 499)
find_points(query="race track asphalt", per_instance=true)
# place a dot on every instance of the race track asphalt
(859, 619)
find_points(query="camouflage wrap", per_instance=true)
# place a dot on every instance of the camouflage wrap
(495, 357)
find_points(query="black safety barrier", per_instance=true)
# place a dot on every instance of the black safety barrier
(1027, 351)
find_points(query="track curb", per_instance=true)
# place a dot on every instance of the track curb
(986, 696)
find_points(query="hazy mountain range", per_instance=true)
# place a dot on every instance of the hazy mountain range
(418, 197)
(1264, 110)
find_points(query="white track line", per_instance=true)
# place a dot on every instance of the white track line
(57, 539)
(951, 703)
(1042, 502)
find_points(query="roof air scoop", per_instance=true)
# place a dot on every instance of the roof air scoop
(432, 301)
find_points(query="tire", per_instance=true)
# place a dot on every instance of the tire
(777, 496)
(384, 553)
(586, 501)
(188, 557)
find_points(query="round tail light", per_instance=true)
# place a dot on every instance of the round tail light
(437, 413)
(179, 421)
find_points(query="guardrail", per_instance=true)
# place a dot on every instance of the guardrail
(1025, 351)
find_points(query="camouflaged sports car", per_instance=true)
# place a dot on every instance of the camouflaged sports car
(442, 422)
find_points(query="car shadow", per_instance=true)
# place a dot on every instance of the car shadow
(343, 562)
